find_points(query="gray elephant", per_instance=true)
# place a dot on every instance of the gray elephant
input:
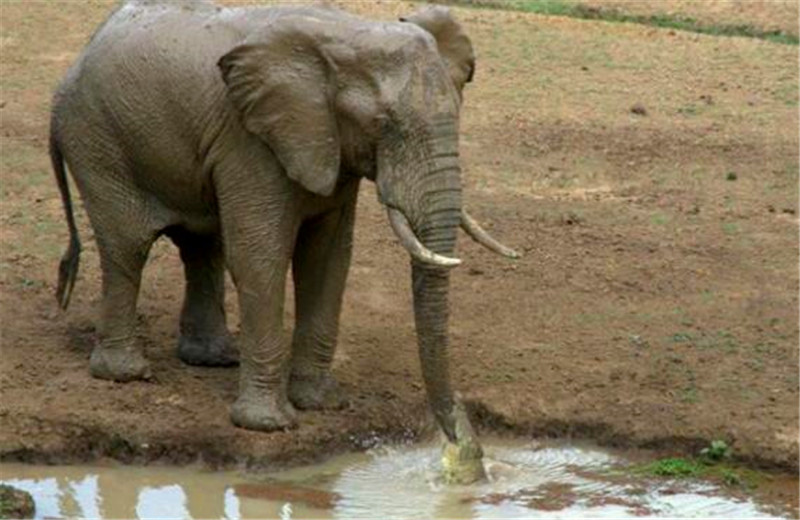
(242, 135)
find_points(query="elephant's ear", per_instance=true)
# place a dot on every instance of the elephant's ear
(281, 87)
(454, 45)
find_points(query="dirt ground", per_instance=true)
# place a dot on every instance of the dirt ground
(650, 176)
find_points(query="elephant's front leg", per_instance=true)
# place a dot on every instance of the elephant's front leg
(320, 264)
(259, 225)
(264, 348)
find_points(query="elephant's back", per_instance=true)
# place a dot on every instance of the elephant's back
(148, 88)
(148, 53)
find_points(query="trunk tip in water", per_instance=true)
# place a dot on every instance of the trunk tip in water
(462, 460)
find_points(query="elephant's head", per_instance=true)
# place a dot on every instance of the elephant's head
(334, 95)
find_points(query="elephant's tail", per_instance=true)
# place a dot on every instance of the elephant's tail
(68, 268)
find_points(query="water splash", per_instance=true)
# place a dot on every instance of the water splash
(526, 480)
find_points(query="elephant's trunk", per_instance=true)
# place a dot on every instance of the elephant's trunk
(419, 180)
(437, 229)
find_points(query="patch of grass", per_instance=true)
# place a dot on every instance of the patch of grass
(675, 468)
(689, 394)
(667, 21)
(659, 219)
(706, 340)
(681, 337)
(686, 468)
(710, 465)
(689, 110)
(730, 228)
(764, 347)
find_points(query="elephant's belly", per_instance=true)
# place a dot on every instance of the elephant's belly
(181, 198)
(199, 224)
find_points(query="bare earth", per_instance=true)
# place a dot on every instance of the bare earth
(656, 305)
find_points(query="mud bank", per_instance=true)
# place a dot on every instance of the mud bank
(37, 440)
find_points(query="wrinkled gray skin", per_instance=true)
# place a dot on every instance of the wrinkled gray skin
(242, 134)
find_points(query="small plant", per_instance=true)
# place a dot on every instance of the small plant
(717, 451)
(731, 478)
(675, 468)
(702, 468)
(681, 337)
(730, 228)
(689, 395)
(659, 219)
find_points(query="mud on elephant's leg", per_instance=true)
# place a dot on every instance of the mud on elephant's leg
(119, 356)
(259, 225)
(204, 339)
(321, 261)
(262, 403)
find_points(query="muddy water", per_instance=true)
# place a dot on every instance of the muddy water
(528, 480)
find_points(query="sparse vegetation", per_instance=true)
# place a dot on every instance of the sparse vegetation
(675, 468)
(718, 450)
(664, 20)
(711, 464)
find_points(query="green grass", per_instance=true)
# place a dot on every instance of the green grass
(674, 468)
(711, 464)
(707, 340)
(668, 21)
(691, 468)
(659, 219)
(730, 228)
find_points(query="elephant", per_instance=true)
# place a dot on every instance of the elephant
(242, 134)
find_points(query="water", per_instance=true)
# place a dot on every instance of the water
(527, 480)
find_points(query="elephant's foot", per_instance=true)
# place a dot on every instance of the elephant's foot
(318, 391)
(208, 351)
(119, 364)
(261, 414)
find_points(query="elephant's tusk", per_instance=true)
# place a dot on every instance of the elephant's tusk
(412, 244)
(479, 235)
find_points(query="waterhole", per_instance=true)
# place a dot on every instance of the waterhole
(527, 480)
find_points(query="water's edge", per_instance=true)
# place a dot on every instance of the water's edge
(76, 443)
(540, 478)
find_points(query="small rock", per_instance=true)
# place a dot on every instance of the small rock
(15, 503)
(707, 99)
(639, 109)
(571, 218)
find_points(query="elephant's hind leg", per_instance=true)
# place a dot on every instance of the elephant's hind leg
(204, 337)
(320, 265)
(119, 356)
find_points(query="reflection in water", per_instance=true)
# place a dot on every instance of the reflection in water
(525, 482)
(163, 502)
